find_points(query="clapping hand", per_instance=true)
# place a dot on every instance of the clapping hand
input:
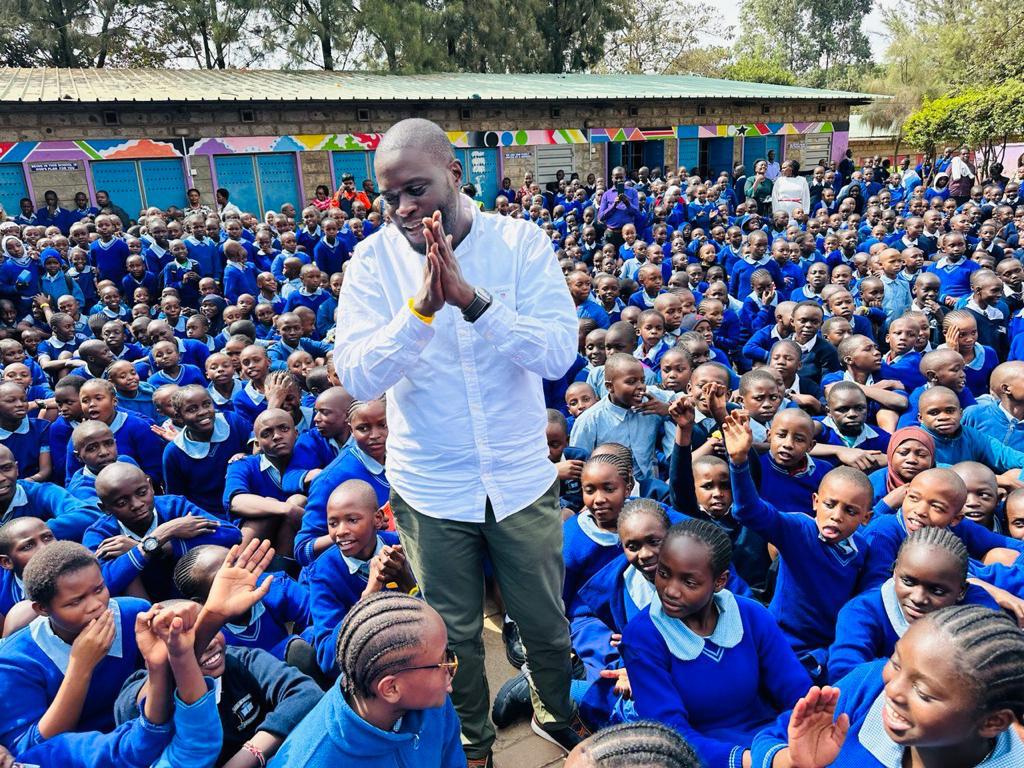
(454, 287)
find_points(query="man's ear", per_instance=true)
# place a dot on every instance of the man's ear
(6, 563)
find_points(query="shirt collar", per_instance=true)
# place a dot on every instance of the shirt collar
(687, 645)
(866, 433)
(992, 313)
(20, 499)
(304, 292)
(120, 417)
(1009, 416)
(198, 449)
(376, 469)
(218, 398)
(848, 377)
(893, 611)
(254, 394)
(805, 348)
(136, 537)
(362, 567)
(58, 651)
(250, 630)
(597, 535)
(639, 589)
(21, 429)
(307, 420)
(266, 465)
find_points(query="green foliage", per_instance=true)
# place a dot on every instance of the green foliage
(656, 38)
(753, 69)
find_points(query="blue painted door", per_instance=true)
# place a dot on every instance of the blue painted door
(350, 162)
(12, 188)
(654, 154)
(756, 148)
(120, 179)
(480, 168)
(237, 175)
(689, 154)
(163, 182)
(719, 156)
(279, 183)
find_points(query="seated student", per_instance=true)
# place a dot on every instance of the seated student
(146, 532)
(239, 273)
(196, 460)
(819, 357)
(94, 446)
(903, 362)
(224, 383)
(319, 446)
(24, 436)
(289, 327)
(39, 396)
(13, 352)
(133, 395)
(816, 275)
(935, 498)
(758, 347)
(930, 574)
(309, 293)
(361, 560)
(652, 344)
(97, 357)
(170, 369)
(55, 354)
(943, 368)
(940, 415)
(840, 303)
(628, 414)
(1003, 419)
(63, 685)
(760, 305)
(255, 494)
(789, 474)
(845, 436)
(714, 666)
(964, 659)
(982, 495)
(620, 337)
(20, 540)
(760, 394)
(911, 451)
(651, 281)
(252, 398)
(362, 458)
(961, 333)
(391, 706)
(568, 461)
(821, 557)
(260, 699)
(69, 415)
(132, 433)
(190, 351)
(628, 744)
(272, 624)
(861, 360)
(784, 360)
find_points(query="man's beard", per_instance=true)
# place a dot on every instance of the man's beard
(449, 211)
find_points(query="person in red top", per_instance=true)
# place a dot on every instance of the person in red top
(346, 195)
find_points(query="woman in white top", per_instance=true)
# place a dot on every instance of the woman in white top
(790, 190)
(962, 176)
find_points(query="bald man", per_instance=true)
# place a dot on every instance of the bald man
(459, 316)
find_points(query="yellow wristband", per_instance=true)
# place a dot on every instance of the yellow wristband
(428, 319)
(415, 590)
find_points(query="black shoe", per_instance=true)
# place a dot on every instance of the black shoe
(514, 650)
(579, 670)
(481, 762)
(512, 702)
(565, 738)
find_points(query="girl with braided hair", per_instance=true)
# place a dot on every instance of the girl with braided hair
(643, 744)
(950, 695)
(712, 665)
(391, 705)
(930, 574)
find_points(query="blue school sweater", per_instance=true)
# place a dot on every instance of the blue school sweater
(886, 533)
(137, 743)
(909, 417)
(82, 484)
(585, 551)
(26, 442)
(300, 298)
(197, 470)
(954, 279)
(59, 435)
(871, 623)
(280, 350)
(815, 579)
(149, 281)
(173, 276)
(333, 589)
(739, 279)
(248, 402)
(141, 403)
(204, 254)
(312, 451)
(906, 369)
(759, 346)
(351, 463)
(266, 626)
(12, 592)
(221, 403)
(971, 445)
(791, 491)
(718, 691)
(109, 258)
(134, 438)
(870, 438)
(754, 316)
(333, 734)
(256, 475)
(33, 662)
(979, 370)
(867, 745)
(992, 420)
(330, 256)
(239, 279)
(277, 266)
(188, 374)
(66, 516)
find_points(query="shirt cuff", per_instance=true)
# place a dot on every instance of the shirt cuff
(495, 322)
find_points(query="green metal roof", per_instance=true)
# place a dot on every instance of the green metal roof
(162, 85)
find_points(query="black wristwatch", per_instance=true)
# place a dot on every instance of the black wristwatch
(150, 545)
(481, 301)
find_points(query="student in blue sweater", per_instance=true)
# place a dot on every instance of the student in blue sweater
(930, 574)
(251, 400)
(25, 437)
(844, 435)
(953, 269)
(361, 459)
(789, 474)
(961, 332)
(67, 516)
(330, 253)
(903, 362)
(941, 368)
(821, 556)
(195, 462)
(132, 432)
(170, 369)
(224, 383)
(319, 446)
(139, 277)
(310, 295)
(66, 682)
(289, 326)
(256, 495)
(239, 273)
(133, 395)
(20, 540)
(391, 706)
(1002, 420)
(712, 665)
(949, 695)
(361, 560)
(147, 531)
(107, 252)
(861, 361)
(94, 446)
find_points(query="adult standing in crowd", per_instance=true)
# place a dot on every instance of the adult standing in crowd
(619, 206)
(790, 190)
(458, 316)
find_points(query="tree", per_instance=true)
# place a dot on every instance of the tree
(215, 34)
(754, 69)
(655, 37)
(574, 32)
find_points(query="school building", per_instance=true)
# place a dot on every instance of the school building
(269, 137)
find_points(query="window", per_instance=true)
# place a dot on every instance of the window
(552, 159)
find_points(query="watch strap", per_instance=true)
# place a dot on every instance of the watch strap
(481, 301)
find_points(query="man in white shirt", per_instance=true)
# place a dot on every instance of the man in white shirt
(774, 169)
(458, 316)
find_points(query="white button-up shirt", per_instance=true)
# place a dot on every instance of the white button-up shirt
(466, 414)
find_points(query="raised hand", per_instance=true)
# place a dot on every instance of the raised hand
(953, 337)
(715, 395)
(168, 432)
(152, 648)
(234, 589)
(176, 627)
(815, 739)
(276, 388)
(681, 411)
(738, 437)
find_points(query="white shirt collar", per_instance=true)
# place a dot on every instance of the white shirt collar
(639, 589)
(807, 347)
(120, 417)
(218, 398)
(197, 449)
(363, 566)
(866, 433)
(20, 499)
(254, 394)
(266, 465)
(992, 313)
(136, 537)
(58, 651)
(596, 534)
(21, 429)
(376, 469)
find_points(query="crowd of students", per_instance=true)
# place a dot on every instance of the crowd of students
(790, 454)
